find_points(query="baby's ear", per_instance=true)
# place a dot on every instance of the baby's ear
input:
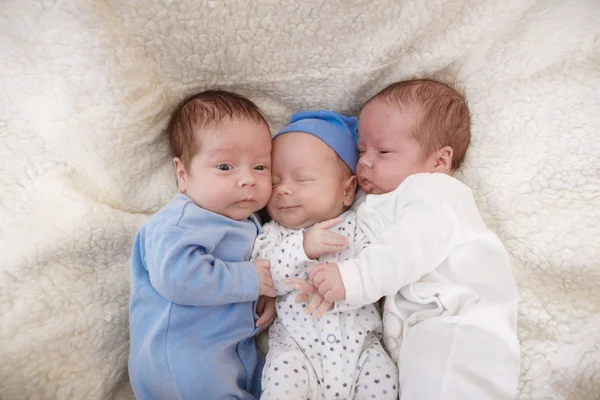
(349, 190)
(180, 173)
(442, 161)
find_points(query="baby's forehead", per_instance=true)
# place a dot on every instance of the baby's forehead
(410, 108)
(380, 120)
(300, 150)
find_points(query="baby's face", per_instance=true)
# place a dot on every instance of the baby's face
(388, 153)
(309, 181)
(231, 173)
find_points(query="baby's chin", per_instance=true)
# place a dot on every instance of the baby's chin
(370, 188)
(289, 221)
(239, 214)
(375, 191)
(293, 224)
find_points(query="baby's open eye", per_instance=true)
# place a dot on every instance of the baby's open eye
(260, 168)
(224, 167)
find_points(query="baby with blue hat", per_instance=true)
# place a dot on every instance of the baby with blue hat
(336, 130)
(333, 353)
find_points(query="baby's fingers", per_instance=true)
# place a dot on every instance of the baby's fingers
(315, 271)
(318, 279)
(330, 295)
(267, 281)
(266, 316)
(302, 297)
(313, 304)
(332, 248)
(323, 308)
(262, 319)
(334, 239)
(301, 284)
(328, 223)
(268, 291)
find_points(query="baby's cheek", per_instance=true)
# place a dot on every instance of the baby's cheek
(264, 201)
(267, 189)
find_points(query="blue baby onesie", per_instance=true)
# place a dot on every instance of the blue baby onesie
(192, 307)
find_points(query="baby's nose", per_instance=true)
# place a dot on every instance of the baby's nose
(247, 181)
(284, 190)
(366, 162)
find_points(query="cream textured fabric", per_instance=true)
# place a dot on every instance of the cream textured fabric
(87, 87)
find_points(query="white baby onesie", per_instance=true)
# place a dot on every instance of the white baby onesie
(450, 315)
(338, 356)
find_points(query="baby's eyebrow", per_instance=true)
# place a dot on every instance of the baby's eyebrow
(218, 151)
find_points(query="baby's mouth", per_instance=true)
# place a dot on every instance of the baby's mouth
(245, 200)
(366, 184)
(287, 207)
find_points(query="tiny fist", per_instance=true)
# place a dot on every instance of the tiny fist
(315, 270)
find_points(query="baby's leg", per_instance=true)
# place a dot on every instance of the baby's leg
(378, 375)
(288, 375)
(444, 360)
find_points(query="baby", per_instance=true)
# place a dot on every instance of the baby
(339, 356)
(193, 308)
(450, 318)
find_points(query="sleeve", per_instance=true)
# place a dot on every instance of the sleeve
(360, 241)
(415, 245)
(287, 256)
(342, 306)
(183, 270)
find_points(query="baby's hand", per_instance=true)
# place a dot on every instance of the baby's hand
(309, 293)
(265, 308)
(319, 241)
(265, 283)
(328, 280)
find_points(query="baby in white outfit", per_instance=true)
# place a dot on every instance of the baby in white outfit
(450, 316)
(337, 356)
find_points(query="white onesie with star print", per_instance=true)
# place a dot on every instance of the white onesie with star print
(338, 356)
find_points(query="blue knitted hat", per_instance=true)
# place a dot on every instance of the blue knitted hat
(338, 131)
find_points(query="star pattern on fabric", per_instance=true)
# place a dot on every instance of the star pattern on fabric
(335, 342)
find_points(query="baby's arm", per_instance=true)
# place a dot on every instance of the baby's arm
(360, 243)
(286, 255)
(310, 294)
(183, 270)
(415, 245)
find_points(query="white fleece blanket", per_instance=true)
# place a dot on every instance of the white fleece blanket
(86, 88)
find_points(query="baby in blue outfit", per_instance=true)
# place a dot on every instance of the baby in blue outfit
(195, 295)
